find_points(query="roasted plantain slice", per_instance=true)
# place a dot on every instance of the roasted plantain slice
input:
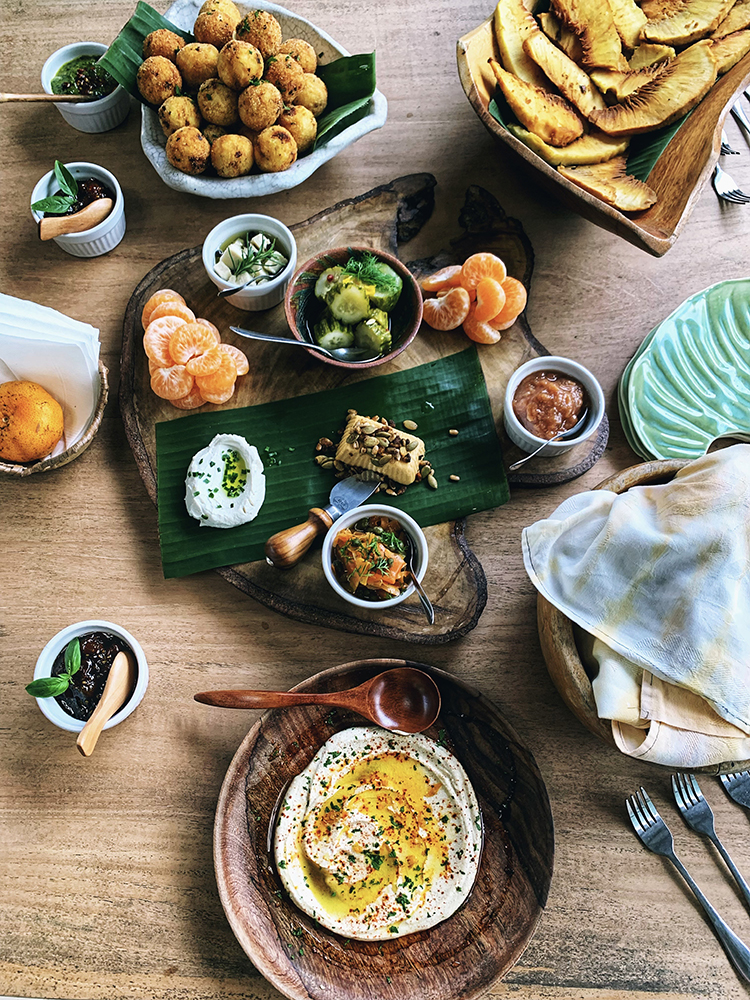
(737, 19)
(696, 20)
(592, 148)
(592, 21)
(611, 182)
(567, 76)
(618, 86)
(629, 20)
(563, 37)
(512, 22)
(729, 50)
(648, 54)
(547, 115)
(675, 91)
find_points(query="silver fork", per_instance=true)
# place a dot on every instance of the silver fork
(698, 815)
(727, 189)
(740, 117)
(737, 786)
(726, 149)
(654, 833)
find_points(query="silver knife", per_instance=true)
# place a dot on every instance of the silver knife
(287, 547)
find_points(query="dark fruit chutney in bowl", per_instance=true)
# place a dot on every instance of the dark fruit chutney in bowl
(98, 650)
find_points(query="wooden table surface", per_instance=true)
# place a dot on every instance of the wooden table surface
(106, 863)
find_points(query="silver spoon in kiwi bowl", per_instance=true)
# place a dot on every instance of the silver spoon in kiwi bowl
(348, 354)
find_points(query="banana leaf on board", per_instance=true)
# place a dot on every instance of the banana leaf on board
(443, 394)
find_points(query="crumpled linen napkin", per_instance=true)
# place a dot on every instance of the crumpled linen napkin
(42, 345)
(660, 576)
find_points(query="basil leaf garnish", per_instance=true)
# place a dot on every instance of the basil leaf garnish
(48, 687)
(59, 204)
(66, 180)
(73, 656)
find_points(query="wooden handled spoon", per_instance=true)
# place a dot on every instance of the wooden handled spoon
(57, 98)
(402, 699)
(119, 684)
(78, 222)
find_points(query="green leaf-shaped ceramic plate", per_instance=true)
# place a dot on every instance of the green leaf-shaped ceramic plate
(689, 383)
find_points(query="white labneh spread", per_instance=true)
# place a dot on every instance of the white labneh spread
(380, 835)
(225, 485)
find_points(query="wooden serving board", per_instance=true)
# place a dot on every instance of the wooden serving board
(384, 218)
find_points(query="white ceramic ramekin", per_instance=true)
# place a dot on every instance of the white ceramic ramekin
(254, 298)
(43, 668)
(86, 116)
(100, 238)
(409, 525)
(527, 441)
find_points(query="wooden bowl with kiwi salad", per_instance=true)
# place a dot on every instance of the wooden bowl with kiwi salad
(355, 296)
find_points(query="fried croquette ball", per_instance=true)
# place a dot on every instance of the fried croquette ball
(163, 43)
(157, 79)
(232, 155)
(275, 149)
(302, 51)
(226, 5)
(259, 106)
(313, 94)
(177, 112)
(262, 30)
(188, 150)
(302, 124)
(284, 72)
(212, 132)
(217, 103)
(239, 64)
(215, 27)
(197, 63)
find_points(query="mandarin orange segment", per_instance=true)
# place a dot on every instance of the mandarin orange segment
(222, 379)
(482, 265)
(163, 295)
(478, 331)
(173, 307)
(515, 303)
(447, 311)
(238, 356)
(157, 336)
(218, 397)
(206, 363)
(192, 401)
(490, 299)
(212, 327)
(190, 340)
(172, 383)
(446, 277)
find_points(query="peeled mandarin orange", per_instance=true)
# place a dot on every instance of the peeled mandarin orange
(478, 331)
(157, 336)
(446, 277)
(190, 402)
(173, 382)
(163, 295)
(447, 311)
(31, 421)
(515, 303)
(214, 329)
(173, 307)
(189, 340)
(238, 356)
(218, 397)
(206, 363)
(490, 299)
(221, 380)
(482, 265)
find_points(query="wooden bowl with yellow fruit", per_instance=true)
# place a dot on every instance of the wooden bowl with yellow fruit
(33, 427)
(629, 132)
